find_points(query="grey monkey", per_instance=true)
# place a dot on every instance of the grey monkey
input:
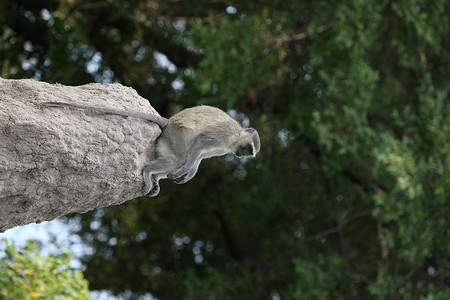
(187, 137)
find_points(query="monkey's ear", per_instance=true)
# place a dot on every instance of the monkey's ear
(250, 130)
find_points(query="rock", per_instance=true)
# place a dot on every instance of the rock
(55, 161)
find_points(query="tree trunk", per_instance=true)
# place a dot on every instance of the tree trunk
(55, 161)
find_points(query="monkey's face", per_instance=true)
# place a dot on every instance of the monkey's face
(245, 150)
(249, 143)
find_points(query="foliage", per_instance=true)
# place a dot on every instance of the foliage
(348, 197)
(24, 274)
(249, 52)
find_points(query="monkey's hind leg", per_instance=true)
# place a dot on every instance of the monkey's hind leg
(150, 183)
(152, 173)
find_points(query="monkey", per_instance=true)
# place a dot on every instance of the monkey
(187, 138)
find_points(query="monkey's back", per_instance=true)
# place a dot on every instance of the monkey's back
(203, 117)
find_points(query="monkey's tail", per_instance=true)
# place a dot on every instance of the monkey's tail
(162, 122)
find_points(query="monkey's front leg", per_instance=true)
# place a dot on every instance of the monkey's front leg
(193, 158)
(188, 175)
(185, 173)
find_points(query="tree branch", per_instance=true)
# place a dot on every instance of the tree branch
(340, 226)
(300, 35)
(236, 254)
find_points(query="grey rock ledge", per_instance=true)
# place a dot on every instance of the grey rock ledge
(55, 161)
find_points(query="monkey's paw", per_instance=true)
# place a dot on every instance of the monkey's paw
(152, 191)
(180, 180)
(177, 174)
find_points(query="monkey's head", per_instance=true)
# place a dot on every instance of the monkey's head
(248, 144)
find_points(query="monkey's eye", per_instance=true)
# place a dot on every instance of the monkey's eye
(245, 150)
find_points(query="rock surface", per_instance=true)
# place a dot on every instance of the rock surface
(55, 161)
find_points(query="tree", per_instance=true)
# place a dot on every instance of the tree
(348, 196)
(24, 274)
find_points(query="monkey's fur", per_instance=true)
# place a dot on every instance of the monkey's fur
(187, 137)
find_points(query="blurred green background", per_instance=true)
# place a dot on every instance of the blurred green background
(349, 196)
